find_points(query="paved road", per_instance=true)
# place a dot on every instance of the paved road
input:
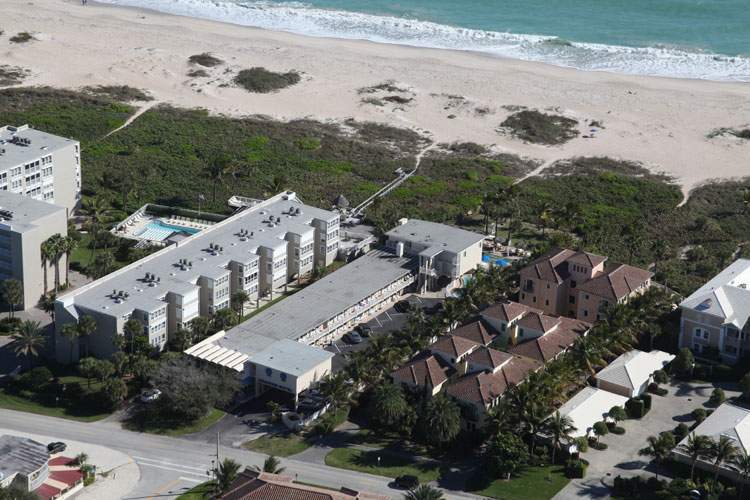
(169, 466)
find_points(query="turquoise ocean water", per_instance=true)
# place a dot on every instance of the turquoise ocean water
(707, 39)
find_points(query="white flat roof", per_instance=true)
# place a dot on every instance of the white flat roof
(589, 406)
(634, 368)
(294, 358)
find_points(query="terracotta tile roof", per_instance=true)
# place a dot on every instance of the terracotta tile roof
(46, 492)
(474, 331)
(484, 387)
(59, 460)
(553, 266)
(423, 367)
(454, 346)
(506, 311)
(69, 477)
(617, 282)
(549, 345)
(491, 358)
(538, 321)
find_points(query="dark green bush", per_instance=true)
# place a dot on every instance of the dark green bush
(681, 432)
(646, 398)
(262, 81)
(120, 93)
(541, 128)
(717, 397)
(699, 414)
(617, 430)
(205, 59)
(723, 373)
(575, 468)
(636, 408)
(21, 37)
(35, 379)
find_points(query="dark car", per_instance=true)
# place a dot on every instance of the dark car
(364, 330)
(407, 481)
(56, 447)
(402, 306)
(353, 338)
(437, 307)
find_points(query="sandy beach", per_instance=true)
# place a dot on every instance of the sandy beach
(456, 96)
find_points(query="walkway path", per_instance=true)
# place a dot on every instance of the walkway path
(133, 117)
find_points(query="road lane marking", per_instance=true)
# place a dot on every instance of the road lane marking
(164, 462)
(190, 480)
(164, 467)
(161, 489)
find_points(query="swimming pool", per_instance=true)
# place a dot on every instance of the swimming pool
(158, 230)
(495, 260)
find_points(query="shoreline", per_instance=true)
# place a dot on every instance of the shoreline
(661, 122)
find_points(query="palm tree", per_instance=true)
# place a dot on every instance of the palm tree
(47, 304)
(587, 352)
(560, 427)
(658, 449)
(97, 210)
(28, 340)
(54, 245)
(68, 244)
(441, 420)
(424, 492)
(216, 169)
(226, 472)
(239, 298)
(334, 388)
(272, 465)
(696, 447)
(81, 459)
(70, 331)
(47, 255)
(741, 463)
(723, 450)
(86, 326)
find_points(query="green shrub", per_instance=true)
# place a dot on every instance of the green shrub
(575, 468)
(723, 373)
(661, 377)
(35, 379)
(262, 81)
(541, 128)
(717, 397)
(205, 59)
(120, 93)
(681, 432)
(699, 414)
(617, 430)
(582, 443)
(21, 37)
(646, 398)
(636, 408)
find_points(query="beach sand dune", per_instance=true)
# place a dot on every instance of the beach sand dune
(455, 96)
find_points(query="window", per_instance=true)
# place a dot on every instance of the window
(586, 296)
(534, 299)
(520, 332)
(502, 327)
(573, 284)
(730, 349)
(546, 302)
(269, 372)
(572, 299)
(523, 296)
(283, 377)
(585, 313)
(547, 286)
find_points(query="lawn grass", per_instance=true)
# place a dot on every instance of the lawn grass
(164, 428)
(391, 465)
(278, 445)
(535, 483)
(81, 413)
(200, 492)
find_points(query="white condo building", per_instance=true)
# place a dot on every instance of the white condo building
(42, 166)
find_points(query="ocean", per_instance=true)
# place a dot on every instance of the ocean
(703, 39)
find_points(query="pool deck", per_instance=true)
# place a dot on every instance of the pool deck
(137, 224)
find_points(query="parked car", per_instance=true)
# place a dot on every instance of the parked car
(56, 447)
(407, 481)
(434, 309)
(364, 329)
(150, 395)
(402, 306)
(353, 338)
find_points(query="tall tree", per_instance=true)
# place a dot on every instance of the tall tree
(70, 331)
(86, 327)
(28, 340)
(659, 449)
(272, 465)
(560, 428)
(200, 327)
(132, 329)
(505, 455)
(335, 388)
(47, 253)
(389, 407)
(696, 447)
(68, 244)
(424, 492)
(12, 293)
(741, 463)
(226, 472)
(47, 304)
(239, 299)
(723, 450)
(98, 211)
(440, 419)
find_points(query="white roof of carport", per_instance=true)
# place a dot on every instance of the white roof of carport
(221, 356)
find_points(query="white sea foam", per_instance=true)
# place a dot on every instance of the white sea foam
(303, 19)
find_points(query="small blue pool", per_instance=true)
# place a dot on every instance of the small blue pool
(495, 260)
(158, 230)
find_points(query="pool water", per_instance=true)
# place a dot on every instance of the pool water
(495, 260)
(158, 230)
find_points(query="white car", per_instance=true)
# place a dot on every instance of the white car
(150, 395)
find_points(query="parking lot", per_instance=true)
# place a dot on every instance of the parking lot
(389, 320)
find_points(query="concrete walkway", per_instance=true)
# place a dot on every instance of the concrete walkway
(621, 456)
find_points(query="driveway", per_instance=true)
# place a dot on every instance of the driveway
(621, 456)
